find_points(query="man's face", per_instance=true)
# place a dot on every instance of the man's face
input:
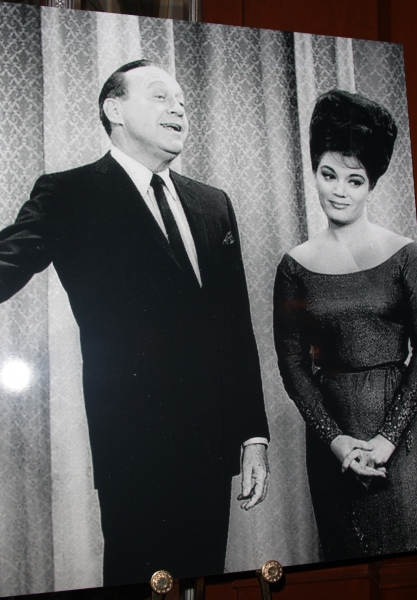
(154, 122)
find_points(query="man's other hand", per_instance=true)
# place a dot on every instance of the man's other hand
(255, 473)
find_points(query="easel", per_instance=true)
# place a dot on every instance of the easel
(193, 589)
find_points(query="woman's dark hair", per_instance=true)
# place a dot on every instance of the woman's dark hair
(355, 127)
(115, 87)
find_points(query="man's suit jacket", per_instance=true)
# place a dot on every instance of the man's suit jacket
(171, 370)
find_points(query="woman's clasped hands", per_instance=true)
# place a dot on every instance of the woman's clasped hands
(365, 459)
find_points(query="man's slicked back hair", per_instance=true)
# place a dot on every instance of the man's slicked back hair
(116, 87)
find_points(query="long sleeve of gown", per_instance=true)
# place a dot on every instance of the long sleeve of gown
(403, 408)
(293, 350)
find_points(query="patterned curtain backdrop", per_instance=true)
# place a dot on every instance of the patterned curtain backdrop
(26, 544)
(249, 95)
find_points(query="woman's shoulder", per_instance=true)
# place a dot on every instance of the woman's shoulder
(378, 246)
(390, 240)
(306, 254)
(391, 244)
(292, 260)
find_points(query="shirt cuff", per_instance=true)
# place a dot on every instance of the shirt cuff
(255, 440)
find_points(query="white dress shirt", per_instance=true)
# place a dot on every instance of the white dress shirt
(141, 177)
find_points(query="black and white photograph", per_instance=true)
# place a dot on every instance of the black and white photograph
(208, 286)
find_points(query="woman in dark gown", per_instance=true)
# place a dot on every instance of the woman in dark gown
(345, 309)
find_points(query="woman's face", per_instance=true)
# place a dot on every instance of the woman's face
(343, 187)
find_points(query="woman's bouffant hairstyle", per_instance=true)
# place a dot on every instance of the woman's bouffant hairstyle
(355, 127)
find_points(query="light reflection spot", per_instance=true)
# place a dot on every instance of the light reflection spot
(15, 375)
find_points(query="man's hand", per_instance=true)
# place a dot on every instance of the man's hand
(255, 473)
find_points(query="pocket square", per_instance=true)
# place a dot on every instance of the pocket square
(229, 239)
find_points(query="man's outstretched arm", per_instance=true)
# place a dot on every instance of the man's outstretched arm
(25, 245)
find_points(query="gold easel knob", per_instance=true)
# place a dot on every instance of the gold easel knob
(272, 571)
(161, 582)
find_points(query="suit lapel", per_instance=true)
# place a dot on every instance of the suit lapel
(195, 216)
(118, 187)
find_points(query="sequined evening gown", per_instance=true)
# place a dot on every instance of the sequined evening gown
(355, 328)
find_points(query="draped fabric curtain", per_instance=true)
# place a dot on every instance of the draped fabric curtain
(249, 95)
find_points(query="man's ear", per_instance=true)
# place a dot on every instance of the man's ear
(111, 108)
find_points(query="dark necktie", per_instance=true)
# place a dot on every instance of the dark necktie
(173, 233)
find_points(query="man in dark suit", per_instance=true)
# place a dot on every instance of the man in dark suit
(153, 270)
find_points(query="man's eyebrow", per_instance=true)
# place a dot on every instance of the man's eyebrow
(155, 82)
(152, 81)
